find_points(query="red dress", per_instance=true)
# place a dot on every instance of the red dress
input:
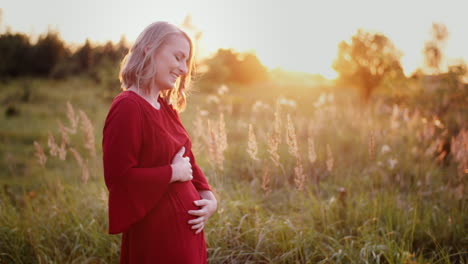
(139, 143)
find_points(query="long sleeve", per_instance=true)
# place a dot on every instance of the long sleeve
(133, 191)
(199, 179)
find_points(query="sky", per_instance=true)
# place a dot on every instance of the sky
(294, 35)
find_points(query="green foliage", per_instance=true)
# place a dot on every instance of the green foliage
(366, 61)
(47, 52)
(51, 57)
(16, 53)
(229, 67)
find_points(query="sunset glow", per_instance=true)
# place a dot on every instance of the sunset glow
(294, 35)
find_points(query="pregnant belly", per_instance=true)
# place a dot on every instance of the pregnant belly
(183, 195)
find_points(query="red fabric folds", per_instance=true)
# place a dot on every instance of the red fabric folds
(139, 143)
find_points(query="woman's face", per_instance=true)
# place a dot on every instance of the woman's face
(171, 61)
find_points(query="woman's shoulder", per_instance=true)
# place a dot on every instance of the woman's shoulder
(125, 102)
(126, 98)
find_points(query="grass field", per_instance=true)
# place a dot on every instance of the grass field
(301, 175)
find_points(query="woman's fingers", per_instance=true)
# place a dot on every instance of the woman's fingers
(199, 230)
(201, 202)
(197, 212)
(198, 226)
(197, 220)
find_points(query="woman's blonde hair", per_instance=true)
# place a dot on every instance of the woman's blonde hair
(138, 66)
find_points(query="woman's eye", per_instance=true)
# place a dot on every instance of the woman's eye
(177, 58)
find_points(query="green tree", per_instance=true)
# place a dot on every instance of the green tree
(48, 52)
(366, 60)
(228, 66)
(85, 56)
(15, 51)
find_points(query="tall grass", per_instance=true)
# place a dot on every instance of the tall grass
(325, 182)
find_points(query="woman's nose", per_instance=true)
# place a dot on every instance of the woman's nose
(183, 68)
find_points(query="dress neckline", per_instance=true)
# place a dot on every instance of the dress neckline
(159, 100)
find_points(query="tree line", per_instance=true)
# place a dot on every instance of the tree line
(365, 61)
(51, 57)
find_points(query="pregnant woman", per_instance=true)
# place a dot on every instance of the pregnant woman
(158, 196)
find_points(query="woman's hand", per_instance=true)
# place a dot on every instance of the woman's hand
(208, 206)
(181, 167)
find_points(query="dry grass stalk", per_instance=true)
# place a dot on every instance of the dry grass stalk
(88, 133)
(274, 138)
(300, 176)
(222, 135)
(252, 148)
(291, 140)
(212, 145)
(278, 121)
(372, 145)
(73, 118)
(329, 158)
(84, 172)
(63, 133)
(77, 156)
(40, 155)
(53, 148)
(312, 154)
(62, 151)
(217, 142)
(273, 144)
(266, 180)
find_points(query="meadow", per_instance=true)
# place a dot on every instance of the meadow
(302, 174)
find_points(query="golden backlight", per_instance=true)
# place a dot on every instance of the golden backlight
(294, 35)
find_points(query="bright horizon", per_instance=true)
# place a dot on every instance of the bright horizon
(297, 36)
